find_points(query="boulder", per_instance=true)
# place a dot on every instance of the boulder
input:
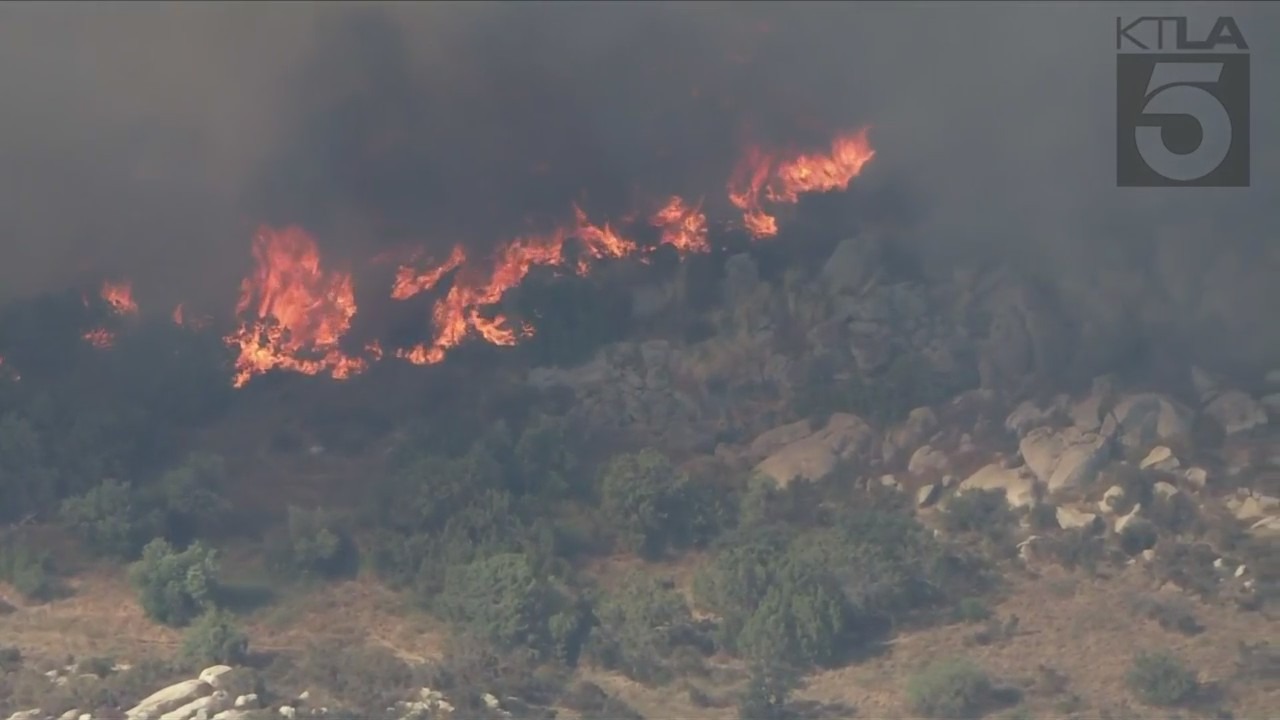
(845, 438)
(1111, 499)
(170, 698)
(1018, 483)
(908, 435)
(1064, 459)
(770, 441)
(1160, 458)
(928, 494)
(1072, 519)
(1145, 419)
(213, 674)
(927, 460)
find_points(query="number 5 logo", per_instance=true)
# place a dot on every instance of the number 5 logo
(1171, 92)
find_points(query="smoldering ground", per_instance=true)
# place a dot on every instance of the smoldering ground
(146, 140)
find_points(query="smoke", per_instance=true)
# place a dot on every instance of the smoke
(147, 140)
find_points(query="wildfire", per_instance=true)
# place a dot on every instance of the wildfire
(761, 176)
(297, 312)
(100, 338)
(294, 313)
(119, 296)
(119, 300)
(684, 227)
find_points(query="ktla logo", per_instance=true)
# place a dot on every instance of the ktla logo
(1182, 118)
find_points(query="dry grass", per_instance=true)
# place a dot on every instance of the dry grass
(1081, 627)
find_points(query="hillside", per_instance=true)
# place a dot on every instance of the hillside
(841, 488)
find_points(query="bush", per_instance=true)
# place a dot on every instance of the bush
(313, 545)
(768, 690)
(801, 621)
(1160, 678)
(982, 512)
(112, 519)
(501, 600)
(175, 587)
(648, 501)
(189, 499)
(31, 574)
(639, 627)
(214, 639)
(972, 610)
(950, 689)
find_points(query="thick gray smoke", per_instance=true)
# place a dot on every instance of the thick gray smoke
(148, 140)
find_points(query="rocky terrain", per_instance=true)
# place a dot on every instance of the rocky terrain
(931, 389)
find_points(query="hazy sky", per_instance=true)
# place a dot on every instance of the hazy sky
(147, 140)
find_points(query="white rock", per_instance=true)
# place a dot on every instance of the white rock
(170, 698)
(1240, 571)
(1198, 477)
(247, 701)
(208, 705)
(1071, 519)
(71, 714)
(845, 438)
(1111, 499)
(1065, 459)
(33, 714)
(1160, 458)
(490, 701)
(1018, 483)
(926, 460)
(1133, 516)
(288, 711)
(1165, 490)
(213, 674)
(890, 482)
(1266, 527)
(928, 494)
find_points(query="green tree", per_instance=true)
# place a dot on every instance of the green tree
(215, 639)
(639, 626)
(175, 587)
(313, 545)
(189, 497)
(768, 691)
(800, 622)
(112, 519)
(500, 599)
(646, 498)
(739, 577)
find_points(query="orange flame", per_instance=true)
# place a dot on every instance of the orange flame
(783, 180)
(298, 312)
(119, 296)
(683, 227)
(100, 338)
(410, 282)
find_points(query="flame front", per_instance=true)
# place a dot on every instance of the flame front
(782, 180)
(294, 314)
(297, 312)
(119, 300)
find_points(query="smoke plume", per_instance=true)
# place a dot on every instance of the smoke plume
(147, 140)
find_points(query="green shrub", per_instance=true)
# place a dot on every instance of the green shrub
(972, 610)
(312, 545)
(767, 693)
(31, 574)
(639, 626)
(982, 512)
(215, 639)
(648, 501)
(175, 587)
(1160, 678)
(112, 519)
(950, 689)
(501, 600)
